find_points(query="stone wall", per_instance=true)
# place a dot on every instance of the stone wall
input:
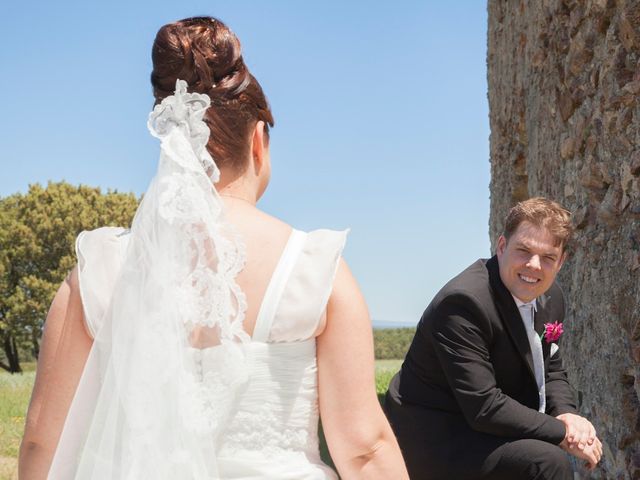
(564, 89)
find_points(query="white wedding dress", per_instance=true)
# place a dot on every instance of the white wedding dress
(272, 430)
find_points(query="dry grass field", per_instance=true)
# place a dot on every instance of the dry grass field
(15, 391)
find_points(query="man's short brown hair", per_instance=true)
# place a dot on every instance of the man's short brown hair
(541, 212)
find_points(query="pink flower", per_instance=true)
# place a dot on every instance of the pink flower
(552, 331)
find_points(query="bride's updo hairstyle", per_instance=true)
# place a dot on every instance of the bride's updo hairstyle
(206, 54)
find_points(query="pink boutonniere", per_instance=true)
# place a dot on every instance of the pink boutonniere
(552, 331)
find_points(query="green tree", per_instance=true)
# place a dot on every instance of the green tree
(392, 343)
(37, 237)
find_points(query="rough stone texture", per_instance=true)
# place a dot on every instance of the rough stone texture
(564, 86)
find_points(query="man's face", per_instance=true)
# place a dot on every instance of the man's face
(529, 261)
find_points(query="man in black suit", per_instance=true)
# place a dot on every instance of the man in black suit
(481, 394)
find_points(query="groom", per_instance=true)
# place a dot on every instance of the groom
(482, 393)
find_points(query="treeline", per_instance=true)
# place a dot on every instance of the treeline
(37, 236)
(392, 343)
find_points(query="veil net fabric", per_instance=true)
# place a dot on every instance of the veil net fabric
(147, 407)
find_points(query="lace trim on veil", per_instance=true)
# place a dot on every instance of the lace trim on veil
(160, 409)
(218, 250)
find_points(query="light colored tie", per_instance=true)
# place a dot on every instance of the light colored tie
(536, 350)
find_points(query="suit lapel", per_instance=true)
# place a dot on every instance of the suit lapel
(510, 314)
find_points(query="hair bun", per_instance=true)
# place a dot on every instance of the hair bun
(202, 51)
(207, 55)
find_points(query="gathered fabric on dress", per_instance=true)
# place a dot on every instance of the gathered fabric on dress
(272, 431)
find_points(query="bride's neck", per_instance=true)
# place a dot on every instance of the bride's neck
(248, 185)
(238, 190)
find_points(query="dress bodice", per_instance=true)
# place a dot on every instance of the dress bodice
(272, 431)
(275, 427)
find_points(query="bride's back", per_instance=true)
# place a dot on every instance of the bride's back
(265, 238)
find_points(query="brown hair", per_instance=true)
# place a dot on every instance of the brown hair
(541, 212)
(206, 54)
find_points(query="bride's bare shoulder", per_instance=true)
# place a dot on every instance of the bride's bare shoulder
(275, 224)
(262, 225)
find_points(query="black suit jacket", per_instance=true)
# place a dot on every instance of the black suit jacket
(469, 369)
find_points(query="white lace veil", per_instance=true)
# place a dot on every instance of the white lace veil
(155, 395)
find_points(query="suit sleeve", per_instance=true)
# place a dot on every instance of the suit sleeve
(560, 395)
(461, 334)
(559, 392)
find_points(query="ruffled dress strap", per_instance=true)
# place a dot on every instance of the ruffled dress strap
(100, 254)
(304, 297)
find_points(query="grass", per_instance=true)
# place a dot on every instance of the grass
(15, 391)
(385, 369)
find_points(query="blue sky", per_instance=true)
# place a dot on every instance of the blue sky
(381, 120)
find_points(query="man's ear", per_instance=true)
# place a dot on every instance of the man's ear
(502, 244)
(258, 146)
(562, 259)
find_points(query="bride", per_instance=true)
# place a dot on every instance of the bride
(205, 342)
